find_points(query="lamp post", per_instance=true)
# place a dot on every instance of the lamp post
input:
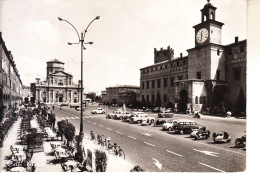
(81, 42)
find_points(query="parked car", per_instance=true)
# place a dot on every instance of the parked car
(121, 114)
(114, 105)
(159, 122)
(79, 109)
(98, 111)
(73, 105)
(185, 126)
(139, 118)
(65, 104)
(127, 117)
(165, 115)
(168, 110)
(156, 109)
(169, 124)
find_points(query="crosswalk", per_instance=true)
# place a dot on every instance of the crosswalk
(85, 117)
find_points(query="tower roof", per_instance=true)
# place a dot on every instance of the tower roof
(55, 61)
(209, 4)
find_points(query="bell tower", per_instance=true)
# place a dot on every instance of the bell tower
(208, 12)
(209, 30)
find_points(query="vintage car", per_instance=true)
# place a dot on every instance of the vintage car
(98, 111)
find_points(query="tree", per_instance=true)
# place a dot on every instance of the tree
(70, 133)
(158, 100)
(101, 161)
(61, 127)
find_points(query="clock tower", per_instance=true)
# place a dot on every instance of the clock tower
(209, 30)
(206, 59)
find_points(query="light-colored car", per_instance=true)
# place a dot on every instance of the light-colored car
(112, 114)
(98, 111)
(121, 114)
(165, 115)
(169, 124)
(73, 105)
(79, 109)
(139, 118)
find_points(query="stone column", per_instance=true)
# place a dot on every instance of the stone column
(36, 95)
(54, 96)
(71, 98)
(40, 95)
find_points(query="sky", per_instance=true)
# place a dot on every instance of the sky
(124, 37)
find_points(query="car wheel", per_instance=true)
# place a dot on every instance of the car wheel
(138, 122)
(152, 121)
(103, 112)
(169, 129)
(181, 132)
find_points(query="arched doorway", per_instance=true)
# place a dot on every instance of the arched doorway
(183, 100)
(60, 99)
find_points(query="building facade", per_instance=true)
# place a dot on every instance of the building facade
(211, 78)
(121, 94)
(58, 86)
(104, 97)
(11, 87)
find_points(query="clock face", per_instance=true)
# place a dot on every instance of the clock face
(202, 35)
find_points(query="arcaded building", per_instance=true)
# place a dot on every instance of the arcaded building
(122, 94)
(11, 86)
(58, 86)
(212, 78)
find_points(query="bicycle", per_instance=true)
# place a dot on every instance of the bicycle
(121, 152)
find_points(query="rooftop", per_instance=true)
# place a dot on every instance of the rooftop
(55, 61)
(124, 86)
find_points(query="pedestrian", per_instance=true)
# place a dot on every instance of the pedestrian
(53, 107)
(53, 121)
(60, 107)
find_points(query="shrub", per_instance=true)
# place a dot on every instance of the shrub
(101, 161)
(137, 168)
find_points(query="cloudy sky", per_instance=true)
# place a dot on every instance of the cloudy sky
(124, 37)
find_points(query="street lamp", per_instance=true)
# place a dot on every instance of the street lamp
(82, 42)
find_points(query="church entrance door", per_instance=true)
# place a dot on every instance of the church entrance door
(183, 101)
(60, 99)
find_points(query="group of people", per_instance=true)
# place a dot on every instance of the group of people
(106, 143)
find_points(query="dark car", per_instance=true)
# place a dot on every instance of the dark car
(185, 126)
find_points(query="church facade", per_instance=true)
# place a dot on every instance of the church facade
(212, 78)
(58, 86)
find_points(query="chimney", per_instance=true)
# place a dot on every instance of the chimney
(236, 39)
(180, 55)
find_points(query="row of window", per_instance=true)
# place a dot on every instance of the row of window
(175, 64)
(147, 99)
(198, 100)
(230, 50)
(165, 82)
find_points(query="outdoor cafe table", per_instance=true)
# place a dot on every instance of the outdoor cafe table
(18, 169)
(72, 163)
(18, 148)
(19, 156)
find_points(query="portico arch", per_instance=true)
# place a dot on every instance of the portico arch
(183, 100)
